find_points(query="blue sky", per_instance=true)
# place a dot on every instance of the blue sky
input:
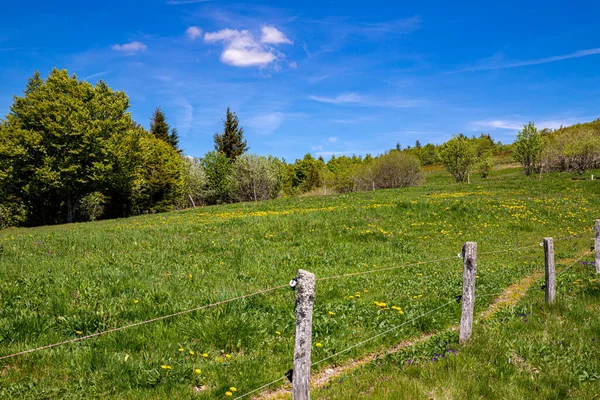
(323, 77)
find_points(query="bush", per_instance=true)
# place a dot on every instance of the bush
(392, 170)
(574, 148)
(528, 149)
(91, 207)
(12, 213)
(257, 177)
(459, 156)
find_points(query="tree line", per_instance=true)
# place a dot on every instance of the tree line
(70, 151)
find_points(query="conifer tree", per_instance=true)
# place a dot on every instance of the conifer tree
(231, 142)
(159, 126)
(173, 139)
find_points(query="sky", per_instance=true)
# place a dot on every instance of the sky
(320, 77)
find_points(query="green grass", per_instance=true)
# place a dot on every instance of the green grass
(60, 280)
(532, 350)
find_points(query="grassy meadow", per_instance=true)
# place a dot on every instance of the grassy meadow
(532, 350)
(61, 282)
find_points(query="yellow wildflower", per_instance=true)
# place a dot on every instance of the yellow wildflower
(205, 355)
(181, 349)
(232, 389)
(229, 394)
(319, 344)
(197, 371)
(192, 353)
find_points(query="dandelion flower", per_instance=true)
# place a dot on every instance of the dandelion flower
(192, 353)
(232, 389)
(319, 344)
(205, 355)
(190, 276)
(227, 355)
(351, 297)
(166, 367)
(79, 333)
(278, 333)
(136, 301)
(331, 313)
(181, 349)
(197, 371)
(228, 394)
(366, 291)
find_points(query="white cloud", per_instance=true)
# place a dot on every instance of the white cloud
(193, 32)
(545, 60)
(517, 125)
(272, 35)
(333, 139)
(129, 48)
(241, 49)
(266, 124)
(356, 99)
(293, 65)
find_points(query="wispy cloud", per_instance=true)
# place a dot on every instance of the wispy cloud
(96, 74)
(180, 2)
(356, 99)
(193, 32)
(241, 49)
(129, 48)
(351, 121)
(265, 124)
(524, 63)
(517, 124)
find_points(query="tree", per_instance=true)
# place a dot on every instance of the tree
(528, 148)
(59, 135)
(173, 139)
(257, 177)
(459, 156)
(393, 170)
(231, 142)
(159, 126)
(158, 179)
(418, 145)
(219, 175)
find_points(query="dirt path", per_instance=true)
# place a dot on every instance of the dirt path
(509, 297)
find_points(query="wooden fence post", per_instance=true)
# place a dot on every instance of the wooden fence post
(550, 270)
(597, 246)
(305, 298)
(469, 254)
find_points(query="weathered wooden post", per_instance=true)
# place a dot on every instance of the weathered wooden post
(469, 254)
(305, 298)
(597, 246)
(550, 270)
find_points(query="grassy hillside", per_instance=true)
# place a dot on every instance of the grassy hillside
(66, 281)
(529, 351)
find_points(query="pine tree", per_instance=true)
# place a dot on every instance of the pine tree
(158, 125)
(173, 139)
(231, 142)
(418, 144)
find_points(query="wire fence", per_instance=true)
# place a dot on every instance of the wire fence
(532, 287)
(341, 276)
